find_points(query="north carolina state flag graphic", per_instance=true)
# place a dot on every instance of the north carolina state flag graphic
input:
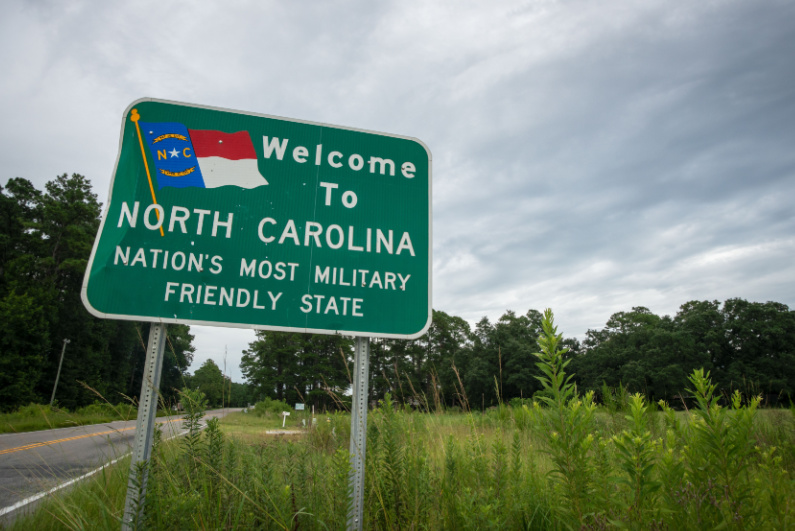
(201, 158)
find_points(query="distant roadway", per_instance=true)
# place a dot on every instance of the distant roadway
(35, 462)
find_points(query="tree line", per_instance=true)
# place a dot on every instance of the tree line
(748, 346)
(45, 242)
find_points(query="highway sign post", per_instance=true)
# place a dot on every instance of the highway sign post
(358, 443)
(144, 429)
(224, 218)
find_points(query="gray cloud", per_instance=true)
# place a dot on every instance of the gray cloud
(588, 157)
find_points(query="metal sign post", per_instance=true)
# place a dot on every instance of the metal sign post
(144, 427)
(359, 431)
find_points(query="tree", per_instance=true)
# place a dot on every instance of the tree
(298, 367)
(381, 367)
(745, 345)
(760, 353)
(443, 347)
(322, 367)
(516, 337)
(45, 242)
(481, 366)
(240, 395)
(209, 380)
(23, 340)
(44, 261)
(637, 349)
(270, 364)
(498, 360)
(177, 358)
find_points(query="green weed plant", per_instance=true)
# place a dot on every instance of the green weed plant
(559, 462)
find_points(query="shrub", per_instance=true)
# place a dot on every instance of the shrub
(269, 405)
(517, 402)
(566, 425)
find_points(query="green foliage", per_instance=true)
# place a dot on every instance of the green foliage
(23, 340)
(214, 444)
(559, 464)
(746, 345)
(454, 471)
(209, 380)
(722, 450)
(388, 457)
(566, 424)
(240, 395)
(637, 456)
(45, 242)
(35, 417)
(269, 406)
(517, 402)
(138, 477)
(306, 368)
(195, 404)
(177, 358)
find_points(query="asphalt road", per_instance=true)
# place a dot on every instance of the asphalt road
(34, 462)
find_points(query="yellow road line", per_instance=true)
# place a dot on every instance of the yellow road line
(47, 443)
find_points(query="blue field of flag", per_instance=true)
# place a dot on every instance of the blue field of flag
(173, 155)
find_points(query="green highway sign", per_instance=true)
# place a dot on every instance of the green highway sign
(225, 218)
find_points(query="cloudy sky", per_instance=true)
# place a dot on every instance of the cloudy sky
(587, 156)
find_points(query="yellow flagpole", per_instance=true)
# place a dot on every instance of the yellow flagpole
(134, 116)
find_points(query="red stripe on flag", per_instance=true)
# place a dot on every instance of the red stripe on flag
(232, 146)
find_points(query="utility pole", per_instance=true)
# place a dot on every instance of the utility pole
(57, 376)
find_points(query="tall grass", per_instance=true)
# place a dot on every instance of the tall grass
(560, 463)
(35, 417)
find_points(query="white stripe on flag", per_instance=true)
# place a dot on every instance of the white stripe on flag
(218, 171)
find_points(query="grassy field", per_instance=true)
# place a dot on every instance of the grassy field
(36, 417)
(560, 463)
(249, 429)
(490, 470)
